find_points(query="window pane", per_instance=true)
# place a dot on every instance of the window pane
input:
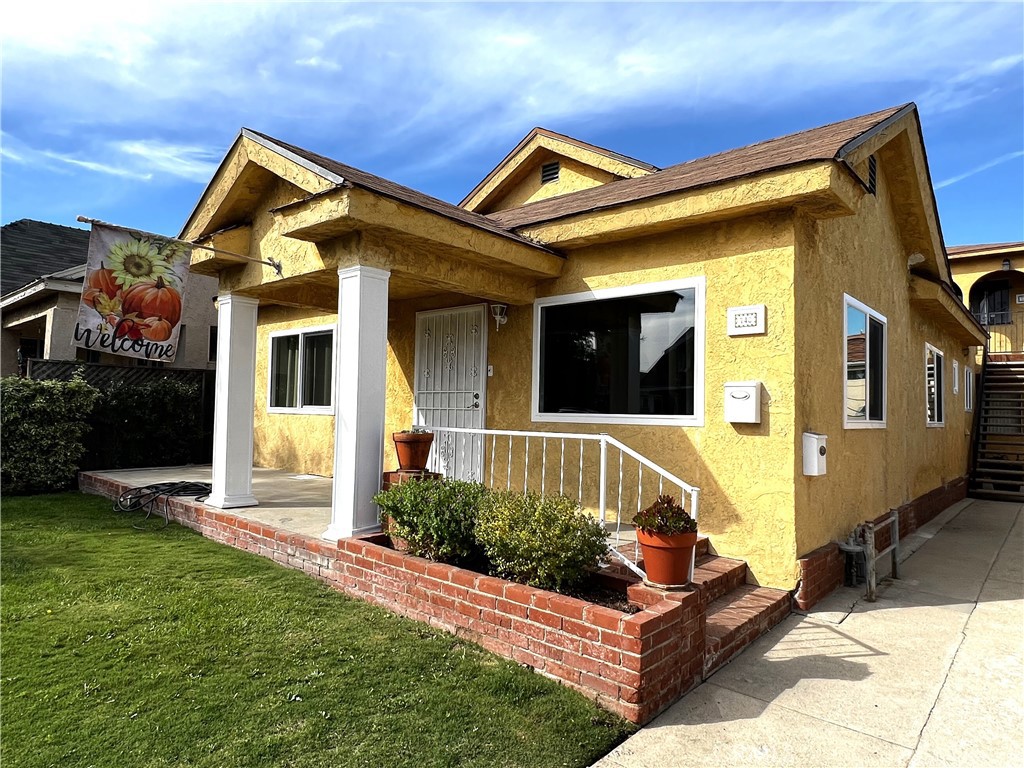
(284, 371)
(856, 369)
(939, 387)
(633, 355)
(316, 369)
(933, 386)
(876, 370)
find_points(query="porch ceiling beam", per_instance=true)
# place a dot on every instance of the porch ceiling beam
(932, 300)
(340, 211)
(439, 271)
(822, 190)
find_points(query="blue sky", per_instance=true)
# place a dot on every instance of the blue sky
(122, 113)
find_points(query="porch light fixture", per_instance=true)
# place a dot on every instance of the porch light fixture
(1006, 265)
(500, 314)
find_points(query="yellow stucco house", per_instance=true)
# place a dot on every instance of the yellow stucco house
(588, 323)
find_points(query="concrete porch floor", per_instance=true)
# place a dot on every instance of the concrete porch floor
(287, 501)
(290, 502)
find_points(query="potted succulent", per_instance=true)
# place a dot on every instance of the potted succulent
(413, 448)
(667, 536)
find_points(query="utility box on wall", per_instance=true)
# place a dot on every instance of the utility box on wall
(743, 402)
(814, 453)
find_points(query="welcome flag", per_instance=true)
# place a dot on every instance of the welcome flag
(132, 295)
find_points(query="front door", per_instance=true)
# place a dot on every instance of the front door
(451, 386)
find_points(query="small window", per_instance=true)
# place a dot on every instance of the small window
(956, 377)
(621, 356)
(865, 363)
(549, 172)
(968, 389)
(933, 382)
(211, 354)
(301, 370)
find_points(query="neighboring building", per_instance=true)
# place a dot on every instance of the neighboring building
(42, 267)
(992, 280)
(632, 297)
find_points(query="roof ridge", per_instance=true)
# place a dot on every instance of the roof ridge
(887, 112)
(616, 192)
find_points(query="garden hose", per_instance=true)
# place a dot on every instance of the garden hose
(148, 497)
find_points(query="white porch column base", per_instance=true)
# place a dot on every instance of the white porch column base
(233, 410)
(359, 397)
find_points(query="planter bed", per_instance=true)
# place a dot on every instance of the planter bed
(632, 664)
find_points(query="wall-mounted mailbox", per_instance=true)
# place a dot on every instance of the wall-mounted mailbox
(743, 402)
(814, 453)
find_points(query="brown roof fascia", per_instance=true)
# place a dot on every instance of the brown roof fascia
(538, 131)
(350, 176)
(822, 143)
(983, 249)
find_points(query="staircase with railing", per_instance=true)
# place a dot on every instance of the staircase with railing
(612, 481)
(998, 467)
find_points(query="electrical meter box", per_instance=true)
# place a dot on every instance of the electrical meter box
(814, 453)
(743, 402)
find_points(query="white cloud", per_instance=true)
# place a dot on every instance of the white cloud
(188, 162)
(456, 77)
(978, 169)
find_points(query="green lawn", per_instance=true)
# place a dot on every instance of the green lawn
(129, 648)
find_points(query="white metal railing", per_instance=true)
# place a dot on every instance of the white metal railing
(503, 458)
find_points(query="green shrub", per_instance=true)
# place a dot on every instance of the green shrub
(544, 541)
(436, 517)
(156, 423)
(43, 424)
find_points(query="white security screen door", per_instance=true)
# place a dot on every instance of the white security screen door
(451, 386)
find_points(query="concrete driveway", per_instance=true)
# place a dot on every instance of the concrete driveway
(932, 674)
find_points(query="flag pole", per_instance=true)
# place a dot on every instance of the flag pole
(272, 263)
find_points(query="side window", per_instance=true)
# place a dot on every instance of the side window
(968, 389)
(301, 370)
(934, 378)
(865, 362)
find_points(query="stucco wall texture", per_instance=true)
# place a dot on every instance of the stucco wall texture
(869, 470)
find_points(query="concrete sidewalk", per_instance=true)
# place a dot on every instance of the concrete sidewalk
(932, 674)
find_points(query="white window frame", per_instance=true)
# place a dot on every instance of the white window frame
(968, 389)
(849, 301)
(697, 284)
(323, 410)
(940, 394)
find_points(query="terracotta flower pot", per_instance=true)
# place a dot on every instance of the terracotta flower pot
(413, 448)
(667, 557)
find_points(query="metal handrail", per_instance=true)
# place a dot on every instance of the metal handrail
(605, 442)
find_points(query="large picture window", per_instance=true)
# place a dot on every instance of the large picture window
(934, 376)
(301, 370)
(865, 362)
(632, 355)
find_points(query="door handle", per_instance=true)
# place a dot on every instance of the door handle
(471, 407)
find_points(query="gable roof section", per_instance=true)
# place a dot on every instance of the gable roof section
(346, 176)
(829, 142)
(614, 163)
(32, 249)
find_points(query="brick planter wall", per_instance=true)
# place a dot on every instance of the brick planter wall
(821, 571)
(632, 664)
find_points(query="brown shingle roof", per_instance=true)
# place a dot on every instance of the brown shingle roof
(382, 186)
(816, 144)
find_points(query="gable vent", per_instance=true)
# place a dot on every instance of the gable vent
(872, 174)
(549, 172)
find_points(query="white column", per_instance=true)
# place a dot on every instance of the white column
(233, 411)
(359, 397)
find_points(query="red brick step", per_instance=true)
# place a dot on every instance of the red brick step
(738, 619)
